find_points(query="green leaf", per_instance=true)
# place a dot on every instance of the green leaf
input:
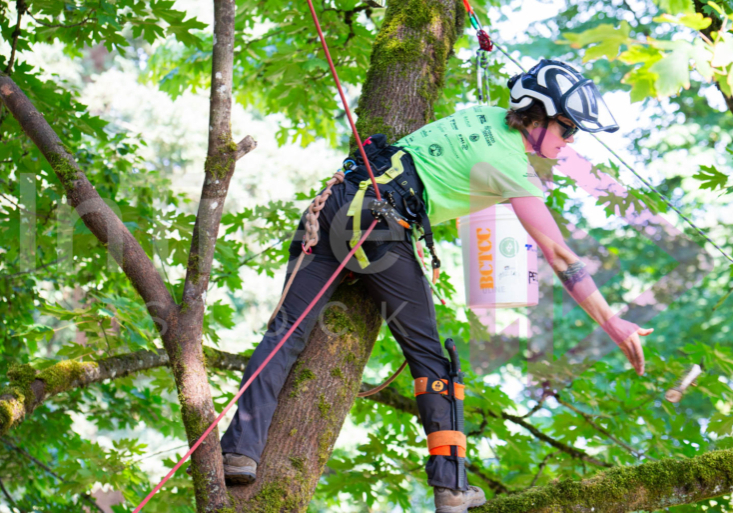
(701, 54)
(711, 178)
(723, 50)
(695, 21)
(721, 424)
(642, 82)
(222, 314)
(640, 53)
(677, 6)
(607, 38)
(673, 69)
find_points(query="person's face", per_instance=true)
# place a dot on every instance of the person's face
(553, 141)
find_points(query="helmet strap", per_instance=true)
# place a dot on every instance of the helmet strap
(537, 145)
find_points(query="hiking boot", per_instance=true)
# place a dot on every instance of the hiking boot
(239, 469)
(456, 501)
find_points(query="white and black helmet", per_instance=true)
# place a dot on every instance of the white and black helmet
(561, 90)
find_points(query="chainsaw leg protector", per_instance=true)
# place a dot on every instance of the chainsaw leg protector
(447, 440)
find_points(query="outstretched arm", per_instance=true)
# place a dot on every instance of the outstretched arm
(537, 220)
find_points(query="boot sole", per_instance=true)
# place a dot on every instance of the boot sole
(238, 477)
(461, 509)
(234, 478)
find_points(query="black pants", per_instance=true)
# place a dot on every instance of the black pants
(400, 290)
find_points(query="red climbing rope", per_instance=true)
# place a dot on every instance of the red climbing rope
(315, 300)
(343, 99)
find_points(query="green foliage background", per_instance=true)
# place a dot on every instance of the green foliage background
(279, 69)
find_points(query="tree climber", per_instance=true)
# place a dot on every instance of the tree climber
(464, 163)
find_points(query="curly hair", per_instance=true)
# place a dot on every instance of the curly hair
(522, 120)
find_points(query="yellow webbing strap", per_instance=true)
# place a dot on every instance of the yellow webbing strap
(358, 201)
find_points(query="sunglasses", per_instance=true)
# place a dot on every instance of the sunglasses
(569, 129)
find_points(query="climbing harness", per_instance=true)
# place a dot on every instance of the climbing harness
(449, 443)
(402, 188)
(399, 181)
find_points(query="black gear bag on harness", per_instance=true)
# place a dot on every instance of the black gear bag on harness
(400, 187)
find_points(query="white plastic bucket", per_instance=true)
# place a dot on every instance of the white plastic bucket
(499, 259)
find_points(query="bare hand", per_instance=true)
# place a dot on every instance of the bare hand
(633, 351)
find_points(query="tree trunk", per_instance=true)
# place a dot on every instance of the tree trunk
(313, 405)
(408, 65)
(184, 345)
(407, 70)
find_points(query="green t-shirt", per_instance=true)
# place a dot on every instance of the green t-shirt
(470, 161)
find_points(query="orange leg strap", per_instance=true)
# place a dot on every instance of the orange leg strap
(440, 442)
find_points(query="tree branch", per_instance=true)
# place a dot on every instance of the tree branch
(94, 212)
(390, 397)
(22, 452)
(7, 495)
(589, 419)
(69, 374)
(43, 266)
(245, 146)
(542, 467)
(22, 8)
(29, 388)
(186, 350)
(572, 451)
(61, 25)
(220, 160)
(648, 487)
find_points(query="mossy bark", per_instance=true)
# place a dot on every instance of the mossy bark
(185, 344)
(28, 388)
(648, 487)
(407, 68)
(312, 406)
